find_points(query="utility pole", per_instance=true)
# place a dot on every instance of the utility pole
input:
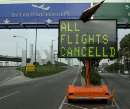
(26, 40)
(36, 47)
(52, 54)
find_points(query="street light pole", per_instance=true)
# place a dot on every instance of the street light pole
(52, 52)
(26, 40)
(26, 51)
(16, 53)
(36, 47)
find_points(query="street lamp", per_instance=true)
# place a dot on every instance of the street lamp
(52, 55)
(26, 40)
(36, 48)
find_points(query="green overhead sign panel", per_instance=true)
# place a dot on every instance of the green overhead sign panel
(119, 11)
(93, 39)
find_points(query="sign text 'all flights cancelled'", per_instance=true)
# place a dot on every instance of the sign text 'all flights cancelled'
(93, 39)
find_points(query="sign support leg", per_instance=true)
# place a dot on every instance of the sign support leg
(88, 69)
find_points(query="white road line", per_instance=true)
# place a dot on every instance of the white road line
(11, 94)
(115, 102)
(63, 101)
(117, 106)
(79, 107)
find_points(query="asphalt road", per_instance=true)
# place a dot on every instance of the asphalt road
(7, 73)
(45, 93)
(49, 92)
(122, 86)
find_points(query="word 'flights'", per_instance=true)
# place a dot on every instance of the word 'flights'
(75, 40)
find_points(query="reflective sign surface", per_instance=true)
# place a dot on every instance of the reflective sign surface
(93, 39)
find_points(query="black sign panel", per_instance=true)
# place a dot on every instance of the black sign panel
(93, 39)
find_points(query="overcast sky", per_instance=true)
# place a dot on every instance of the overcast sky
(9, 44)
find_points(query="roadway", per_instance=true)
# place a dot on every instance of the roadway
(49, 92)
(43, 93)
(121, 85)
(7, 73)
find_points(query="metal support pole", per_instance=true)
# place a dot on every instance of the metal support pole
(87, 63)
(16, 53)
(26, 52)
(52, 54)
(25, 45)
(36, 47)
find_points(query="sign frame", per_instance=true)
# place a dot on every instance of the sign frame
(116, 45)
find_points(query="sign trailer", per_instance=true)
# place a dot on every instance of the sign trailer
(94, 39)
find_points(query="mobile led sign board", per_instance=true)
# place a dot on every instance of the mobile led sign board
(93, 39)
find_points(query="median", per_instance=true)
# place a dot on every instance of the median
(43, 70)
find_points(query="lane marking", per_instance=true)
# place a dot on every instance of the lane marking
(75, 106)
(117, 106)
(73, 82)
(114, 99)
(11, 94)
(62, 103)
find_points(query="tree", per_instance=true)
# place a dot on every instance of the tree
(125, 46)
(125, 50)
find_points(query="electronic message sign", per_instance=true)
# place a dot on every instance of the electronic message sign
(93, 39)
